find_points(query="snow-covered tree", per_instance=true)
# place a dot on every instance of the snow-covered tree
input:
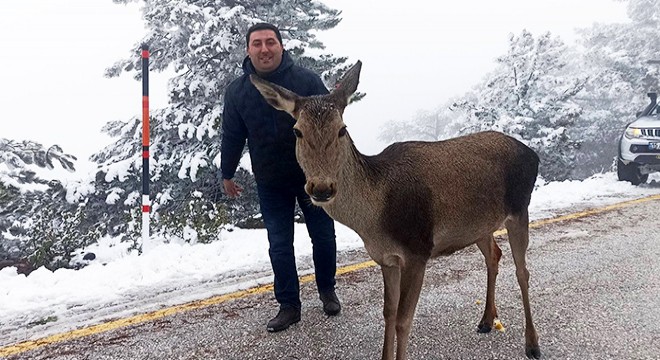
(203, 42)
(20, 185)
(438, 124)
(19, 155)
(24, 195)
(570, 104)
(530, 95)
(617, 57)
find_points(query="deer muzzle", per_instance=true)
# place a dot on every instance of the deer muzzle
(320, 192)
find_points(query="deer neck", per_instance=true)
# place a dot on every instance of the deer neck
(358, 203)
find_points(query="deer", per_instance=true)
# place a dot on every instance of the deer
(415, 200)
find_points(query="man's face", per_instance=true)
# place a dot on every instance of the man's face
(265, 51)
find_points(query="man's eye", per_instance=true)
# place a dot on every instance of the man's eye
(297, 133)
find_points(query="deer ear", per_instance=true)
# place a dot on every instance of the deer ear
(277, 96)
(348, 83)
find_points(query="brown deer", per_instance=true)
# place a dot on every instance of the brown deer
(415, 200)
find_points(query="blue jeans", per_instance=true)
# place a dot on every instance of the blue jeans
(277, 208)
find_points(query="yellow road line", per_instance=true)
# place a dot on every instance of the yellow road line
(137, 319)
(581, 214)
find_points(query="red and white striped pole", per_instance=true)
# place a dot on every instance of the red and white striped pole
(146, 205)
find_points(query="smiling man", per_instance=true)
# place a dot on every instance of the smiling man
(265, 50)
(280, 180)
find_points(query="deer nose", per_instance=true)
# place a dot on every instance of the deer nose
(322, 192)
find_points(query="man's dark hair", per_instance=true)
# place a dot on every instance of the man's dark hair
(262, 26)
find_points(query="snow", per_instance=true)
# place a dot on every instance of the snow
(119, 282)
(8, 178)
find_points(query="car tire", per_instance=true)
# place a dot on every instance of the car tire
(630, 173)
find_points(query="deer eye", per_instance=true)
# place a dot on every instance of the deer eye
(297, 133)
(342, 131)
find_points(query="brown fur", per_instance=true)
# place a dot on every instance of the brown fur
(415, 201)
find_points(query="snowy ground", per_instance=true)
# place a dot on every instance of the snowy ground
(119, 283)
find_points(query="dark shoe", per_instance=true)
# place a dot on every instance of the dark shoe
(286, 317)
(331, 305)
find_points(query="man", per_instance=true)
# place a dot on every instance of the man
(280, 180)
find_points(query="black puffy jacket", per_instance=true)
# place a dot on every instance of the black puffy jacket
(269, 132)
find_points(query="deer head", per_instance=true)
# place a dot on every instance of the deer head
(322, 142)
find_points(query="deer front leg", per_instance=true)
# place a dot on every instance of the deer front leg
(412, 277)
(492, 255)
(392, 282)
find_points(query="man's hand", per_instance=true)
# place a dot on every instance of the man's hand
(231, 188)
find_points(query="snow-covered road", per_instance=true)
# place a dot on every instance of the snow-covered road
(119, 283)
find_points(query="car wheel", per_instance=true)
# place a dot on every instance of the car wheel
(630, 173)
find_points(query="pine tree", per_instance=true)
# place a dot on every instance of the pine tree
(435, 125)
(588, 94)
(24, 194)
(531, 96)
(203, 42)
(617, 58)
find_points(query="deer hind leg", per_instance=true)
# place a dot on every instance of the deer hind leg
(492, 255)
(518, 230)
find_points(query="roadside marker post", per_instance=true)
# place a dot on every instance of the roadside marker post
(146, 204)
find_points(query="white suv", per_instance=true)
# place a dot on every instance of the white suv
(639, 146)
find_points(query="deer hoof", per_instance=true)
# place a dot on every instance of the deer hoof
(533, 352)
(484, 328)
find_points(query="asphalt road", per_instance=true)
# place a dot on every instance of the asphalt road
(595, 286)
